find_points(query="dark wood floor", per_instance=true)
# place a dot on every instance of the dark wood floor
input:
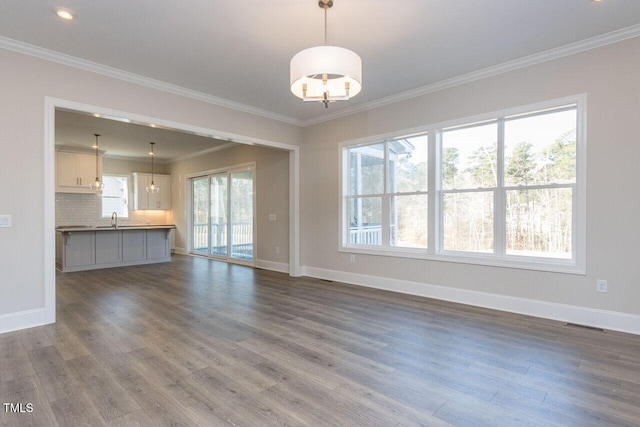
(202, 343)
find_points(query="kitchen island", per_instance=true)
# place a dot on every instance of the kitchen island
(86, 248)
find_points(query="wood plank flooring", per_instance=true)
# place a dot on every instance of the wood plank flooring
(197, 342)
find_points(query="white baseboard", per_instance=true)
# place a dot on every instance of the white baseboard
(611, 320)
(281, 267)
(23, 320)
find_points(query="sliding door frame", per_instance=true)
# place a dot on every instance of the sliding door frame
(189, 214)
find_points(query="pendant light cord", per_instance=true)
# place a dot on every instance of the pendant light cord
(96, 135)
(325, 25)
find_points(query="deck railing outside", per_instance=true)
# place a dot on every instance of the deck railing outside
(366, 235)
(242, 239)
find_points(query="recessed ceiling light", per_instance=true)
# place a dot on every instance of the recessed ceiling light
(65, 14)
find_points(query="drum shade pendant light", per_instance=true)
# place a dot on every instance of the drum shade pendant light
(97, 185)
(326, 73)
(152, 188)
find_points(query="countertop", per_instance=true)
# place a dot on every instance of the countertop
(70, 228)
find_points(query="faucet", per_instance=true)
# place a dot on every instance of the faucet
(114, 219)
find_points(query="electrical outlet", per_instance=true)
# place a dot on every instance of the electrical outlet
(5, 221)
(601, 285)
(277, 249)
(352, 258)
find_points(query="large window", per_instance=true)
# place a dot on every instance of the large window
(502, 189)
(387, 193)
(114, 196)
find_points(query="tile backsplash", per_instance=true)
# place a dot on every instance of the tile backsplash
(84, 209)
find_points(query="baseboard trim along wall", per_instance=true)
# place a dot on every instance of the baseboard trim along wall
(281, 267)
(23, 320)
(611, 320)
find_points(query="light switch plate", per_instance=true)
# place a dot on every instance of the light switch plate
(5, 221)
(272, 217)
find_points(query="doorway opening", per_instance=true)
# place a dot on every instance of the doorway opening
(48, 313)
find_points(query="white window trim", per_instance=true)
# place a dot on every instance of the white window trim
(127, 177)
(434, 252)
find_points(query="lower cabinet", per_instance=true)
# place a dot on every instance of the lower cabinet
(108, 247)
(77, 249)
(87, 250)
(157, 247)
(134, 245)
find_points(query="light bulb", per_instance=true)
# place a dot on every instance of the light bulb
(152, 188)
(97, 185)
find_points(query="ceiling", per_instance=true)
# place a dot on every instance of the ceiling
(125, 140)
(238, 51)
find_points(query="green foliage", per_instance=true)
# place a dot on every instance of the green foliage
(522, 165)
(560, 158)
(450, 160)
(482, 167)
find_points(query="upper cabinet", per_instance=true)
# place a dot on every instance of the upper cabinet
(145, 201)
(76, 170)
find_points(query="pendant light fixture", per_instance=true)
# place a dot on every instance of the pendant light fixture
(152, 188)
(326, 73)
(97, 185)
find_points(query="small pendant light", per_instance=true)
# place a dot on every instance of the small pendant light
(152, 188)
(97, 185)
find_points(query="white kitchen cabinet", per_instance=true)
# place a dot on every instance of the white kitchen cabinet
(75, 171)
(145, 201)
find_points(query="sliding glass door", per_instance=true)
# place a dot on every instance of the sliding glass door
(219, 207)
(241, 207)
(223, 215)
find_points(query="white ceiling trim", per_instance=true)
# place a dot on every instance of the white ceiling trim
(567, 50)
(72, 61)
(203, 152)
(571, 49)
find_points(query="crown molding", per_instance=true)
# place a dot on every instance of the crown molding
(72, 61)
(527, 61)
(538, 58)
(203, 152)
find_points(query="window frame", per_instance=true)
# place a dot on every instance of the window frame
(385, 196)
(127, 197)
(574, 265)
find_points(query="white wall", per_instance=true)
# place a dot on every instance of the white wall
(610, 76)
(26, 82)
